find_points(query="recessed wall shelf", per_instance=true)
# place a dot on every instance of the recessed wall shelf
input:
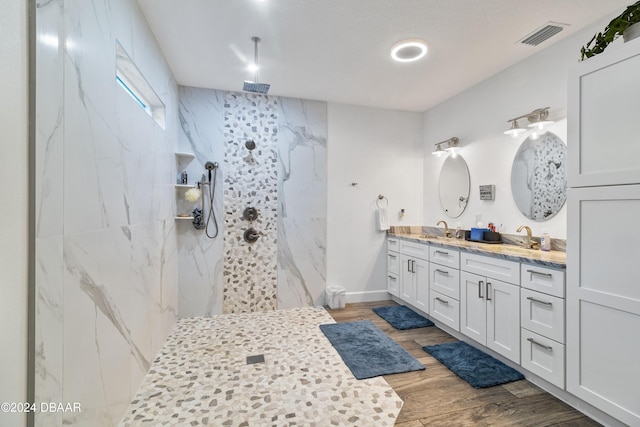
(182, 161)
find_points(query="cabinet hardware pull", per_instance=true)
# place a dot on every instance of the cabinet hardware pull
(392, 278)
(540, 273)
(442, 301)
(413, 265)
(442, 252)
(540, 302)
(488, 291)
(546, 347)
(409, 265)
(446, 273)
(480, 283)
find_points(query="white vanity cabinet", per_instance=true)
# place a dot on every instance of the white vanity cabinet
(414, 274)
(542, 318)
(393, 267)
(444, 285)
(490, 303)
(603, 251)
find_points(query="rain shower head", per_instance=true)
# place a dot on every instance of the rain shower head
(254, 86)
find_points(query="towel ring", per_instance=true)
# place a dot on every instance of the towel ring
(381, 197)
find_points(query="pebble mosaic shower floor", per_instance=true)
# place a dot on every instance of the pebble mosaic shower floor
(202, 377)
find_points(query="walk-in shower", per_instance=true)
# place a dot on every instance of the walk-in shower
(210, 223)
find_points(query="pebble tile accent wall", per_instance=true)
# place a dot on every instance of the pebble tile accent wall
(251, 180)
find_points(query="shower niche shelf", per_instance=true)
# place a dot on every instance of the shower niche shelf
(182, 161)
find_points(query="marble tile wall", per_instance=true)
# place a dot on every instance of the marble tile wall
(201, 115)
(106, 254)
(300, 202)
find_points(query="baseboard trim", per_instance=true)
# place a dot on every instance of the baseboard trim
(367, 296)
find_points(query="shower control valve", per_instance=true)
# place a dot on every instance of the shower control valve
(251, 235)
(250, 214)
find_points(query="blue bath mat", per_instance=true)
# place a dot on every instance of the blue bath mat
(368, 351)
(475, 367)
(402, 317)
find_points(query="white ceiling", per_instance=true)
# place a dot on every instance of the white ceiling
(338, 50)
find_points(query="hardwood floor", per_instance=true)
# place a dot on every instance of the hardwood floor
(437, 397)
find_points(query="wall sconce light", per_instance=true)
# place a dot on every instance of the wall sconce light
(538, 119)
(450, 145)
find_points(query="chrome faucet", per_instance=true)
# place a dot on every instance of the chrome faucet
(447, 233)
(529, 243)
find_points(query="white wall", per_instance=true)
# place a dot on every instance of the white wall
(14, 210)
(380, 150)
(478, 116)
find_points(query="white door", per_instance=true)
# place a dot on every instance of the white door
(407, 281)
(503, 318)
(603, 299)
(421, 272)
(473, 308)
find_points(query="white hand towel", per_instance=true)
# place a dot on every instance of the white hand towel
(383, 219)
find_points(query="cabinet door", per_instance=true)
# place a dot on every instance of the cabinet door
(393, 285)
(503, 319)
(445, 280)
(407, 282)
(421, 273)
(445, 309)
(602, 119)
(603, 299)
(542, 314)
(393, 262)
(473, 308)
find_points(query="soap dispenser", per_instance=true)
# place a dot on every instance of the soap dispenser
(545, 241)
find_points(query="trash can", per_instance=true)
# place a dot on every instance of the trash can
(336, 297)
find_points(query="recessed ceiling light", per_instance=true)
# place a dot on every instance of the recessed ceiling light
(409, 50)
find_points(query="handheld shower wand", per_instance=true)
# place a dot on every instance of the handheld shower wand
(211, 167)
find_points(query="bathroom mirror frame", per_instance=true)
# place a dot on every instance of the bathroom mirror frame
(539, 176)
(454, 185)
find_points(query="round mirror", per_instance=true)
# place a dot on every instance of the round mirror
(454, 185)
(539, 176)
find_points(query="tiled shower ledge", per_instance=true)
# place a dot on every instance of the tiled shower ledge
(201, 376)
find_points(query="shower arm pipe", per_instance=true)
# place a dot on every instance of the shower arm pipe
(256, 40)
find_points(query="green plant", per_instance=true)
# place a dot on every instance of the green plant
(600, 41)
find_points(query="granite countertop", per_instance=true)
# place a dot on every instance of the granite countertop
(555, 259)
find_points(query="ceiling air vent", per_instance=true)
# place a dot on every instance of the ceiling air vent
(543, 33)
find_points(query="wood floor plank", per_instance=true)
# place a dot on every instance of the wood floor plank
(438, 397)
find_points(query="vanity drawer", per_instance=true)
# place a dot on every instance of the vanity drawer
(506, 271)
(543, 357)
(393, 262)
(444, 256)
(445, 309)
(416, 250)
(393, 245)
(445, 280)
(543, 314)
(393, 284)
(542, 279)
